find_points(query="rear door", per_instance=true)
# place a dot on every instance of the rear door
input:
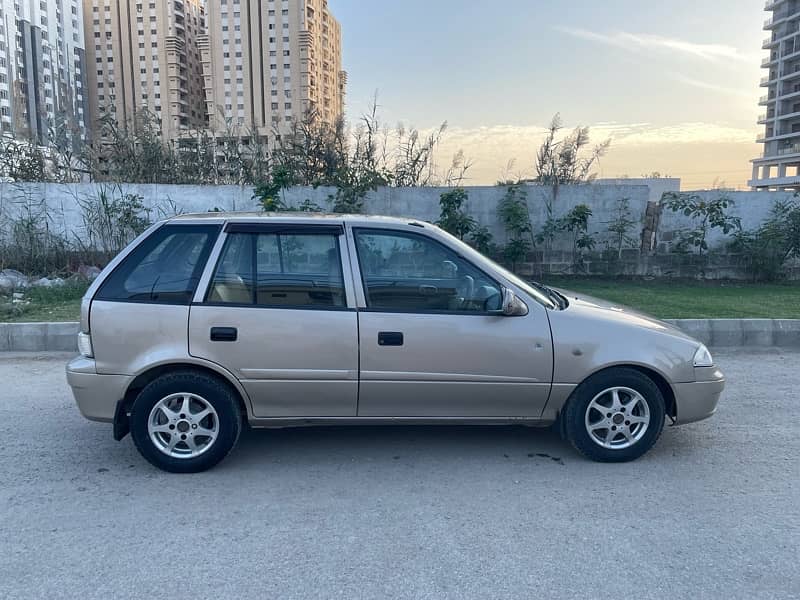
(276, 314)
(430, 347)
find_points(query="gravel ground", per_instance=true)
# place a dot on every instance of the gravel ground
(405, 512)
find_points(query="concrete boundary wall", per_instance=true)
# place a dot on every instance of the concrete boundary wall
(717, 333)
(421, 203)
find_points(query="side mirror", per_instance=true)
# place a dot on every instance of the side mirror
(512, 306)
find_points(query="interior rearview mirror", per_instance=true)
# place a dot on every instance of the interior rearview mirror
(512, 305)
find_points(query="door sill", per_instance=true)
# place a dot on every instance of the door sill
(286, 422)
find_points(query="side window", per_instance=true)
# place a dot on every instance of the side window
(164, 268)
(279, 270)
(408, 272)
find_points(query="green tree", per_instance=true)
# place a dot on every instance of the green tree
(513, 212)
(620, 226)
(707, 214)
(452, 217)
(270, 193)
(576, 223)
(455, 220)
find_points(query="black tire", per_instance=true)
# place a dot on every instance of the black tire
(219, 394)
(574, 415)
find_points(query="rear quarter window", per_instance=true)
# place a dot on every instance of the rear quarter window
(165, 268)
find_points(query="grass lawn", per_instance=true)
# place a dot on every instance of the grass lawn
(692, 299)
(664, 298)
(45, 304)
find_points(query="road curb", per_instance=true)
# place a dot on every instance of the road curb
(742, 333)
(39, 337)
(716, 333)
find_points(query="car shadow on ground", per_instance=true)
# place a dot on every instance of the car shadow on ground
(320, 446)
(421, 442)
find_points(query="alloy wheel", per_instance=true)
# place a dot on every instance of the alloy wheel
(617, 418)
(183, 425)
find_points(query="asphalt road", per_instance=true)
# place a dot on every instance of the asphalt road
(411, 512)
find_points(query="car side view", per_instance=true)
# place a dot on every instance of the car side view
(206, 323)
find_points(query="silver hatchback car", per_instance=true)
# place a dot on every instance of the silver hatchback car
(205, 322)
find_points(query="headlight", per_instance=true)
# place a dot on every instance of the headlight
(702, 358)
(85, 345)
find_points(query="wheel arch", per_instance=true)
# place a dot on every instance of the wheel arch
(152, 372)
(654, 375)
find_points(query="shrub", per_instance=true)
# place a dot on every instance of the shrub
(513, 212)
(619, 228)
(454, 220)
(576, 222)
(767, 248)
(29, 238)
(111, 220)
(707, 214)
(452, 217)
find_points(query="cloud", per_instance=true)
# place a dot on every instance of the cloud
(512, 136)
(636, 42)
(687, 147)
(720, 89)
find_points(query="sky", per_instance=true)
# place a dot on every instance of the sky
(673, 84)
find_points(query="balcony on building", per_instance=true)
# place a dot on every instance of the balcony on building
(769, 79)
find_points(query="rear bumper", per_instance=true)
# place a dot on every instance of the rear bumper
(698, 400)
(96, 395)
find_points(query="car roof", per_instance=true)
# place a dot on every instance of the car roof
(295, 217)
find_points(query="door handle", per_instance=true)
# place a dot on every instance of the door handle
(428, 290)
(224, 334)
(390, 338)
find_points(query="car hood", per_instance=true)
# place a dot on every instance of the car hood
(610, 311)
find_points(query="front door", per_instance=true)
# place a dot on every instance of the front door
(429, 347)
(275, 314)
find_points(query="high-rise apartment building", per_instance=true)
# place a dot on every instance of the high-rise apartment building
(42, 70)
(779, 165)
(143, 56)
(268, 62)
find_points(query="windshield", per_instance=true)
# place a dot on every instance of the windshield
(535, 293)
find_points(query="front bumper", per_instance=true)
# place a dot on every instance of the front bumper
(96, 395)
(698, 400)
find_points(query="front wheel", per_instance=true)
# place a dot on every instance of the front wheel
(185, 422)
(615, 416)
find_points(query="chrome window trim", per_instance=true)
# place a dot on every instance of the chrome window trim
(208, 270)
(355, 280)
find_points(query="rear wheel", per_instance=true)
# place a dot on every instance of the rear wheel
(615, 416)
(186, 422)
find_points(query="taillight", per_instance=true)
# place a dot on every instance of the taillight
(85, 345)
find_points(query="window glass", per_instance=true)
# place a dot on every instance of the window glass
(408, 272)
(164, 268)
(234, 278)
(280, 270)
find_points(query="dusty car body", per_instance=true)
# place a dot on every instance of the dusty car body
(206, 322)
